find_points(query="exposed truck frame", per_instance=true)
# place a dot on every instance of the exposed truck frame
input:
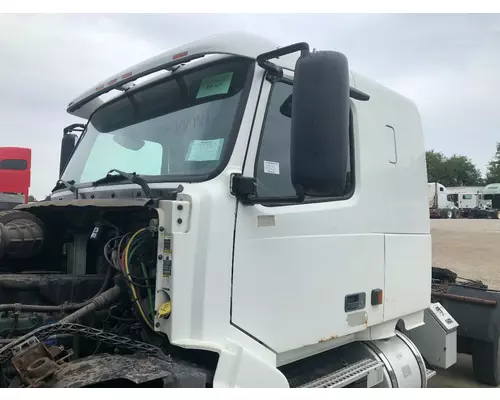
(477, 309)
(222, 216)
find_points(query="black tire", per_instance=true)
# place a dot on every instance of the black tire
(486, 362)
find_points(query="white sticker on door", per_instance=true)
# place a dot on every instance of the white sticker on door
(271, 167)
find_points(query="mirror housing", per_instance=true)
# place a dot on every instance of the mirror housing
(68, 143)
(319, 148)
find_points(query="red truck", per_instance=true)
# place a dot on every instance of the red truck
(15, 176)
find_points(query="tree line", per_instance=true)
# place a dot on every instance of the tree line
(459, 170)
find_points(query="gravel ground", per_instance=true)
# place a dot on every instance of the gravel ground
(471, 248)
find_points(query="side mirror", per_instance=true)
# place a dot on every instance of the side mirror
(68, 143)
(320, 124)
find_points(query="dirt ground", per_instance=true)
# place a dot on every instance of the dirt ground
(470, 248)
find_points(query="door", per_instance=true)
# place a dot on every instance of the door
(303, 273)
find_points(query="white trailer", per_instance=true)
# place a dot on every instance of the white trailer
(292, 235)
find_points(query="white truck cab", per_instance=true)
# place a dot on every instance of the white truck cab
(441, 202)
(299, 239)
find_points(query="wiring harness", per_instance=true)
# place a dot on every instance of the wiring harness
(132, 255)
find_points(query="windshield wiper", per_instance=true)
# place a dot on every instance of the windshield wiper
(131, 177)
(70, 185)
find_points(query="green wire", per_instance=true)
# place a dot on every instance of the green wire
(150, 293)
(144, 272)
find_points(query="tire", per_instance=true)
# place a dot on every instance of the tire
(449, 214)
(486, 362)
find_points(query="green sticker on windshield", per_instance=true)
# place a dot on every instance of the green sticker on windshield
(216, 84)
(205, 150)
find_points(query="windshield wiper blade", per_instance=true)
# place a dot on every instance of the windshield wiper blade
(132, 177)
(70, 185)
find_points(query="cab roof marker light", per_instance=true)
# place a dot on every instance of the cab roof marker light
(179, 55)
(234, 43)
(127, 75)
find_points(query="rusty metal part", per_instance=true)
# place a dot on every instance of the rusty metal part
(102, 369)
(44, 332)
(465, 299)
(35, 363)
(100, 203)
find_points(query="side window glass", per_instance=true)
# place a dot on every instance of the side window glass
(273, 159)
(272, 168)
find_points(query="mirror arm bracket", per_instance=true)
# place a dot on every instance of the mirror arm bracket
(245, 188)
(74, 128)
(275, 71)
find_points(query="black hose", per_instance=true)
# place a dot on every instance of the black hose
(62, 307)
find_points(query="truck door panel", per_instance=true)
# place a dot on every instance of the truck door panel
(301, 273)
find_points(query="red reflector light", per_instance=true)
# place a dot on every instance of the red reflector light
(112, 81)
(127, 75)
(99, 88)
(180, 55)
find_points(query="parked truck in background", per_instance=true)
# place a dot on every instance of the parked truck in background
(491, 201)
(15, 176)
(472, 202)
(215, 227)
(441, 204)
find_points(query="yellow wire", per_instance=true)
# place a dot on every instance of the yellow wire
(143, 315)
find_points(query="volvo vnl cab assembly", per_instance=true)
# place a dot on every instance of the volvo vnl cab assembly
(239, 215)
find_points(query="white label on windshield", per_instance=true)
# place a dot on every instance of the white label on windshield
(205, 150)
(214, 85)
(271, 167)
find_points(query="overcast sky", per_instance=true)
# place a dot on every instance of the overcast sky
(448, 64)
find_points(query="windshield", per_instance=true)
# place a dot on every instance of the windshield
(178, 129)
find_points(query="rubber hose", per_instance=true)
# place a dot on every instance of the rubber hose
(98, 303)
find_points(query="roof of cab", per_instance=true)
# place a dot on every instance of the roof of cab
(240, 44)
(234, 43)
